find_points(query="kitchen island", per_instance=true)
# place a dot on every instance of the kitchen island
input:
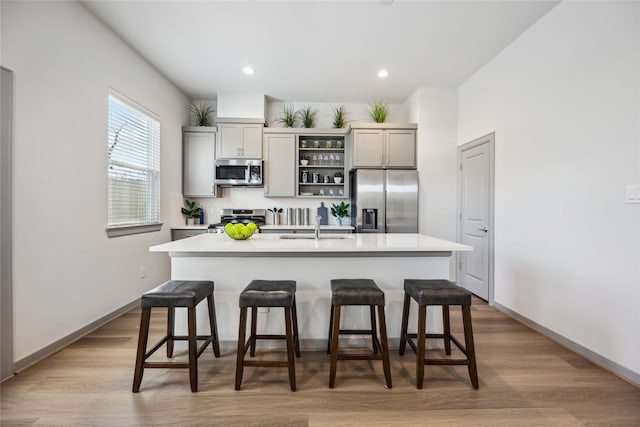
(386, 258)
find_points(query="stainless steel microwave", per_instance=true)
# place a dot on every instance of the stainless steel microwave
(239, 172)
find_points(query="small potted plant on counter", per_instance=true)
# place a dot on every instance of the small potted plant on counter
(340, 211)
(304, 161)
(337, 177)
(191, 211)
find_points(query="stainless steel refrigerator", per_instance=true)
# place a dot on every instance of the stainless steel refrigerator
(384, 201)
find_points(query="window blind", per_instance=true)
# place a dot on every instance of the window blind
(133, 152)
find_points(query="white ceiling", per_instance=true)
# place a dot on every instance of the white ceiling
(323, 51)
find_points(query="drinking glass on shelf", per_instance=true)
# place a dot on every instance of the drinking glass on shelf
(322, 191)
(338, 160)
(341, 192)
(331, 159)
(331, 192)
(314, 160)
(326, 159)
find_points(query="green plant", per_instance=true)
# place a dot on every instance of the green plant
(338, 174)
(201, 113)
(378, 111)
(191, 210)
(289, 116)
(339, 116)
(307, 116)
(341, 210)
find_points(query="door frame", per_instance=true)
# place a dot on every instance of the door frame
(486, 139)
(6, 225)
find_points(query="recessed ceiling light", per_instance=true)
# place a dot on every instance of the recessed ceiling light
(248, 71)
(383, 73)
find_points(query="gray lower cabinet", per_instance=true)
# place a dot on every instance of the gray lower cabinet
(177, 234)
(198, 157)
(279, 165)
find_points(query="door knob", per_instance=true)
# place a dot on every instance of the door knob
(483, 229)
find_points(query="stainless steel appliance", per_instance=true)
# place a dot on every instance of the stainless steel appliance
(239, 172)
(384, 201)
(244, 216)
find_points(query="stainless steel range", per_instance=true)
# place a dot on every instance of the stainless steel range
(244, 216)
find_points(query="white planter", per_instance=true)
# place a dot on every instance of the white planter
(337, 179)
(304, 162)
(190, 221)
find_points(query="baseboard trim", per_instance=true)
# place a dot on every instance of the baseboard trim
(32, 359)
(609, 365)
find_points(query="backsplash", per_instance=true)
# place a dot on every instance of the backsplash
(253, 198)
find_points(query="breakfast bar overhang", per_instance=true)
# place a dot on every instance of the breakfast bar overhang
(387, 259)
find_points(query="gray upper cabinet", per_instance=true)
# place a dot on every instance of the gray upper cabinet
(384, 145)
(198, 156)
(279, 165)
(239, 140)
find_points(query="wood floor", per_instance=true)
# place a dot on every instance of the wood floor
(525, 379)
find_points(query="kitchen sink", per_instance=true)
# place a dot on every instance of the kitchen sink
(312, 237)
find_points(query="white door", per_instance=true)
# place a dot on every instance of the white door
(475, 228)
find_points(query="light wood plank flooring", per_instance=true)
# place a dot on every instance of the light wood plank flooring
(525, 379)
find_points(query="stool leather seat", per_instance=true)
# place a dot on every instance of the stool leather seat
(268, 293)
(356, 292)
(177, 293)
(436, 292)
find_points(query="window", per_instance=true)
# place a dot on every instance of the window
(133, 152)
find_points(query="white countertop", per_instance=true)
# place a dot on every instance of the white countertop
(272, 245)
(272, 227)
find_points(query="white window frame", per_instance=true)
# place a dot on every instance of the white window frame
(152, 222)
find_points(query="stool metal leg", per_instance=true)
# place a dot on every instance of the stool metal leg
(213, 324)
(335, 333)
(290, 348)
(296, 337)
(193, 349)
(241, 346)
(374, 337)
(422, 326)
(254, 322)
(446, 329)
(385, 347)
(142, 348)
(471, 352)
(405, 322)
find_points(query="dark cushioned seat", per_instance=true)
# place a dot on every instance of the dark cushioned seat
(436, 292)
(268, 293)
(177, 293)
(356, 292)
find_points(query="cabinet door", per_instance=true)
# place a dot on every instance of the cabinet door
(229, 141)
(198, 164)
(400, 147)
(368, 148)
(279, 165)
(251, 141)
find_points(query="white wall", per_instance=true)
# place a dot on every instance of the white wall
(241, 105)
(67, 273)
(563, 100)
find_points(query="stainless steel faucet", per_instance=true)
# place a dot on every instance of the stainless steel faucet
(317, 230)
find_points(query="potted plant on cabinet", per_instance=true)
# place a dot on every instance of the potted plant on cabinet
(191, 211)
(337, 177)
(289, 116)
(339, 117)
(378, 111)
(340, 211)
(201, 113)
(304, 161)
(308, 116)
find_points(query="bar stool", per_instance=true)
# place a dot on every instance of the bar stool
(358, 292)
(443, 293)
(172, 294)
(268, 293)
